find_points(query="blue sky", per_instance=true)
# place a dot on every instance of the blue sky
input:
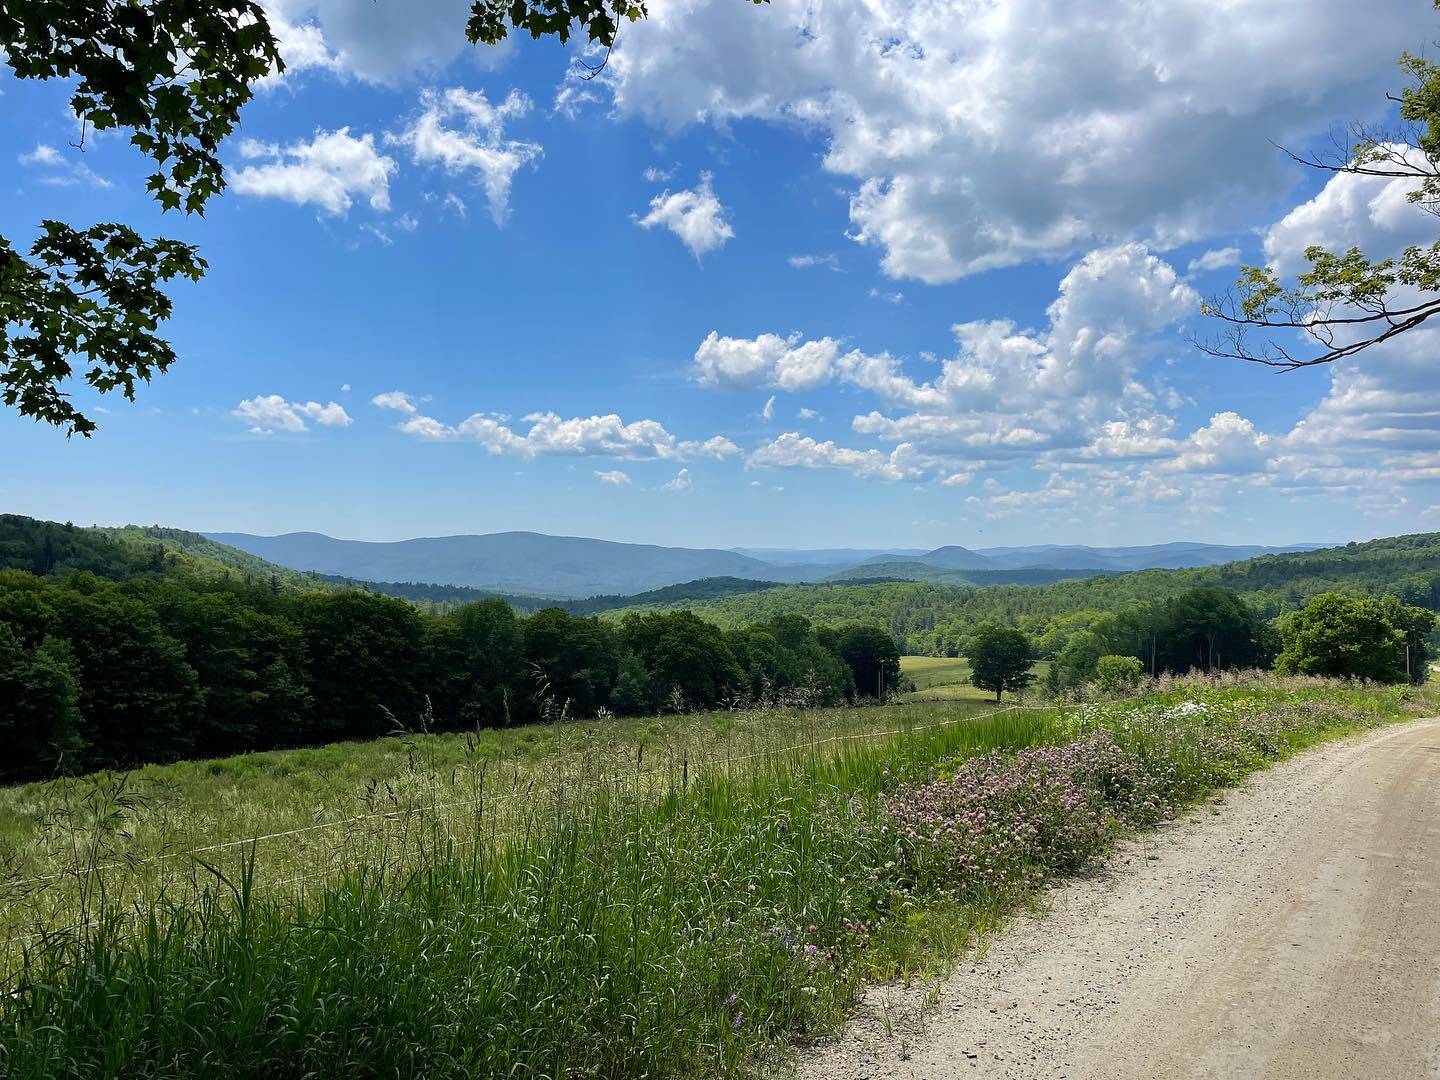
(789, 276)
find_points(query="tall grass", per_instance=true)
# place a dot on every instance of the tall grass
(637, 926)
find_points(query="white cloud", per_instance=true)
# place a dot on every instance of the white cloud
(461, 131)
(680, 483)
(570, 99)
(270, 413)
(397, 400)
(795, 451)
(1214, 259)
(613, 477)
(888, 297)
(549, 433)
(379, 43)
(1134, 439)
(655, 175)
(302, 46)
(769, 411)
(805, 262)
(47, 158)
(768, 360)
(1007, 390)
(979, 135)
(694, 215)
(807, 414)
(1372, 213)
(42, 155)
(1229, 444)
(330, 171)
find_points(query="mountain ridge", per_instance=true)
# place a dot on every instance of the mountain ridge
(544, 564)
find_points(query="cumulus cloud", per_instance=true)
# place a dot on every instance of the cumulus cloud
(270, 413)
(613, 477)
(549, 433)
(680, 483)
(1214, 259)
(795, 451)
(769, 411)
(1007, 390)
(462, 132)
(1372, 213)
(785, 363)
(397, 400)
(43, 154)
(1228, 444)
(694, 215)
(330, 171)
(977, 135)
(378, 43)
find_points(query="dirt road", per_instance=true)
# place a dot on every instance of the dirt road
(1292, 932)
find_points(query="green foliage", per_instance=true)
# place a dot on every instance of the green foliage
(39, 708)
(1077, 661)
(93, 293)
(477, 660)
(175, 75)
(1356, 638)
(873, 658)
(1116, 675)
(1126, 609)
(1001, 659)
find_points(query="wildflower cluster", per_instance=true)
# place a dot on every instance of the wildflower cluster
(1000, 822)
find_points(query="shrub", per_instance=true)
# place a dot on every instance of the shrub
(1116, 675)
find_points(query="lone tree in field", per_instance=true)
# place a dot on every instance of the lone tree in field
(175, 74)
(1348, 301)
(1000, 659)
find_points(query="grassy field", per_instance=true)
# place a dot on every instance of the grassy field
(352, 803)
(946, 678)
(661, 898)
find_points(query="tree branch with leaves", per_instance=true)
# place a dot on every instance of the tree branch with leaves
(1346, 303)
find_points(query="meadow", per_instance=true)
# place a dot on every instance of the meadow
(947, 678)
(665, 898)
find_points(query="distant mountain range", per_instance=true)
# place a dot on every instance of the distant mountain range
(573, 566)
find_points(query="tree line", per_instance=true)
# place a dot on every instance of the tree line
(97, 673)
(1335, 634)
(933, 619)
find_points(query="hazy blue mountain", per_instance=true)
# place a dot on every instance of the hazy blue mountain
(516, 561)
(573, 566)
(950, 557)
(824, 556)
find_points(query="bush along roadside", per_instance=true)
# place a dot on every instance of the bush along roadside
(632, 936)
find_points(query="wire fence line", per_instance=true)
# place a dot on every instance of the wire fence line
(479, 805)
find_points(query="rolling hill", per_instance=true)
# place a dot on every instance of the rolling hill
(525, 562)
(537, 564)
(927, 616)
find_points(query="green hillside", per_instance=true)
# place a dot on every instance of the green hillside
(55, 550)
(910, 570)
(930, 617)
